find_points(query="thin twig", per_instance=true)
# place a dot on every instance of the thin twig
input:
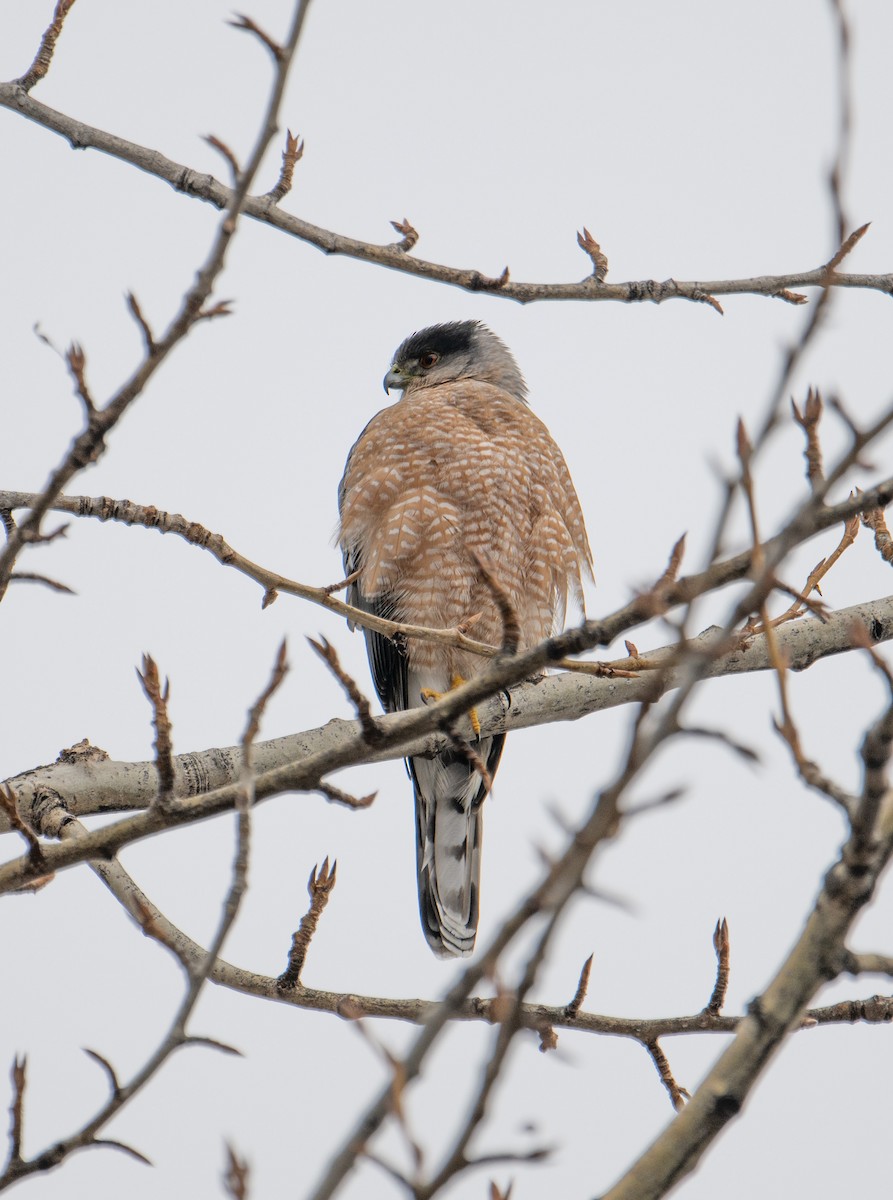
(582, 987)
(44, 580)
(722, 946)
(409, 235)
(16, 1109)
(226, 153)
(9, 806)
(678, 1095)
(808, 421)
(236, 1175)
(873, 519)
(257, 710)
(44, 56)
(510, 1023)
(158, 697)
(319, 886)
(593, 250)
(291, 155)
(90, 443)
(144, 327)
(511, 628)
(368, 723)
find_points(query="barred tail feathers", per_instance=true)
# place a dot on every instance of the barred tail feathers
(449, 795)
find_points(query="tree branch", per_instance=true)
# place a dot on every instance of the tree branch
(265, 210)
(89, 445)
(48, 797)
(817, 957)
(813, 518)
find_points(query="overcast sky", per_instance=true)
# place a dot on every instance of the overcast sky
(694, 140)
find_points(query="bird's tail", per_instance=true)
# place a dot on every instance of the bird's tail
(449, 794)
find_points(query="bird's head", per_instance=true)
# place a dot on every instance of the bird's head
(457, 350)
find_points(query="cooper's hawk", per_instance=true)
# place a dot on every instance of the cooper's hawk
(458, 469)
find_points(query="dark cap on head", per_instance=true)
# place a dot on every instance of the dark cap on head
(451, 352)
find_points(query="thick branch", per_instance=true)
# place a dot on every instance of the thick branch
(818, 956)
(206, 784)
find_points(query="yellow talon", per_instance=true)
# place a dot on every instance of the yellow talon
(429, 694)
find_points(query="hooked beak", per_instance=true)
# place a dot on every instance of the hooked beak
(395, 378)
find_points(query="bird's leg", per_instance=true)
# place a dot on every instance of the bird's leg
(456, 680)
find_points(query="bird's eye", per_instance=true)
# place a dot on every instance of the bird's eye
(428, 359)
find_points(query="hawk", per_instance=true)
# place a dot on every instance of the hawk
(458, 471)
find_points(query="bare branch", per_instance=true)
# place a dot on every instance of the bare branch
(876, 1010)
(671, 573)
(224, 151)
(86, 447)
(257, 710)
(291, 155)
(339, 796)
(236, 1175)
(77, 365)
(811, 519)
(112, 1144)
(410, 236)
(368, 723)
(509, 1007)
(111, 1075)
(812, 774)
(868, 964)
(44, 56)
(590, 246)
(816, 957)
(511, 629)
(790, 297)
(722, 947)
(582, 986)
(32, 577)
(847, 246)
(16, 1109)
(198, 967)
(158, 698)
(873, 519)
(536, 1017)
(808, 421)
(297, 764)
(199, 185)
(90, 443)
(250, 26)
(678, 1095)
(9, 807)
(877, 748)
(319, 885)
(137, 314)
(468, 752)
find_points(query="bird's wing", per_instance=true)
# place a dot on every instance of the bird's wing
(387, 658)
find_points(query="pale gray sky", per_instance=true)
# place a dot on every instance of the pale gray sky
(694, 140)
